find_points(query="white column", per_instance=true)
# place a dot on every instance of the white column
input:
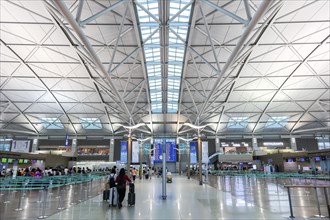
(111, 149)
(35, 145)
(217, 145)
(293, 143)
(73, 152)
(74, 147)
(255, 144)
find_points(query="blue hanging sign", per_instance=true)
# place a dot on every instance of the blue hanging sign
(158, 151)
(123, 151)
(193, 152)
(170, 151)
(66, 140)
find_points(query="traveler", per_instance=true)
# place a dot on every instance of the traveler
(121, 180)
(134, 174)
(112, 178)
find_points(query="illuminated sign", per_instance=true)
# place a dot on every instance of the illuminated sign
(273, 143)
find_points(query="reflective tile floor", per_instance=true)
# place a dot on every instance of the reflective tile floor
(225, 198)
(32, 205)
(228, 198)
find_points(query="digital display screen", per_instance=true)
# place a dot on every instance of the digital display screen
(3, 160)
(290, 160)
(20, 161)
(10, 160)
(317, 158)
(26, 161)
(169, 145)
(302, 159)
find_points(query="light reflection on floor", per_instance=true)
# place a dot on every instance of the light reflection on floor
(227, 198)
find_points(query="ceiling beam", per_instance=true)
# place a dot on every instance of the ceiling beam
(287, 79)
(101, 13)
(69, 17)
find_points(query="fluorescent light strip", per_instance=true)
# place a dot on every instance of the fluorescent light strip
(176, 50)
(151, 47)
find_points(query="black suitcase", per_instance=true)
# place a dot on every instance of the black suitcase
(131, 199)
(131, 188)
(106, 194)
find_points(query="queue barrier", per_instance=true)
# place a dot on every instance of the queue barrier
(257, 174)
(290, 187)
(44, 185)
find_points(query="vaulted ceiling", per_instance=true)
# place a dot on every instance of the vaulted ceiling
(239, 67)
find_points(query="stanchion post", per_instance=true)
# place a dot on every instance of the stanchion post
(80, 193)
(39, 196)
(19, 208)
(86, 191)
(90, 188)
(327, 201)
(6, 195)
(60, 207)
(1, 191)
(318, 202)
(290, 203)
(44, 204)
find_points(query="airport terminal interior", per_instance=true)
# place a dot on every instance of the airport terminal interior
(213, 109)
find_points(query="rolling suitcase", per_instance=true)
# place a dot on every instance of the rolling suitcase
(131, 199)
(106, 194)
(131, 188)
(131, 195)
(113, 197)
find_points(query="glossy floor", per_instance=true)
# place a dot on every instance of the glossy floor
(226, 198)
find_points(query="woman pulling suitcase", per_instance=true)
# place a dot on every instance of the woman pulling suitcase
(121, 181)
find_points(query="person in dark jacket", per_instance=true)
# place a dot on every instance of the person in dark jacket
(121, 181)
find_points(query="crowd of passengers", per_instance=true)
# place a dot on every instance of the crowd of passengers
(49, 171)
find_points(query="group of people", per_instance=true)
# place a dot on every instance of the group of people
(147, 173)
(120, 182)
(48, 171)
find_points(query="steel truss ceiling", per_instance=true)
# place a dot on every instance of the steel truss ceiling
(248, 67)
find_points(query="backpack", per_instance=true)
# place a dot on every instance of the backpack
(112, 182)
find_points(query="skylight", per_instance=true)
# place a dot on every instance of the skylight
(237, 122)
(91, 123)
(180, 11)
(148, 14)
(52, 123)
(178, 26)
(277, 122)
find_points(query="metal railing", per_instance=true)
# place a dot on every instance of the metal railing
(317, 197)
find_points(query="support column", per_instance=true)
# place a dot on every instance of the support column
(129, 153)
(218, 147)
(312, 165)
(188, 159)
(140, 159)
(164, 173)
(255, 144)
(74, 147)
(112, 149)
(35, 145)
(179, 158)
(199, 145)
(293, 143)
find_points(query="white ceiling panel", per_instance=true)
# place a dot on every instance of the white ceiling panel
(61, 66)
